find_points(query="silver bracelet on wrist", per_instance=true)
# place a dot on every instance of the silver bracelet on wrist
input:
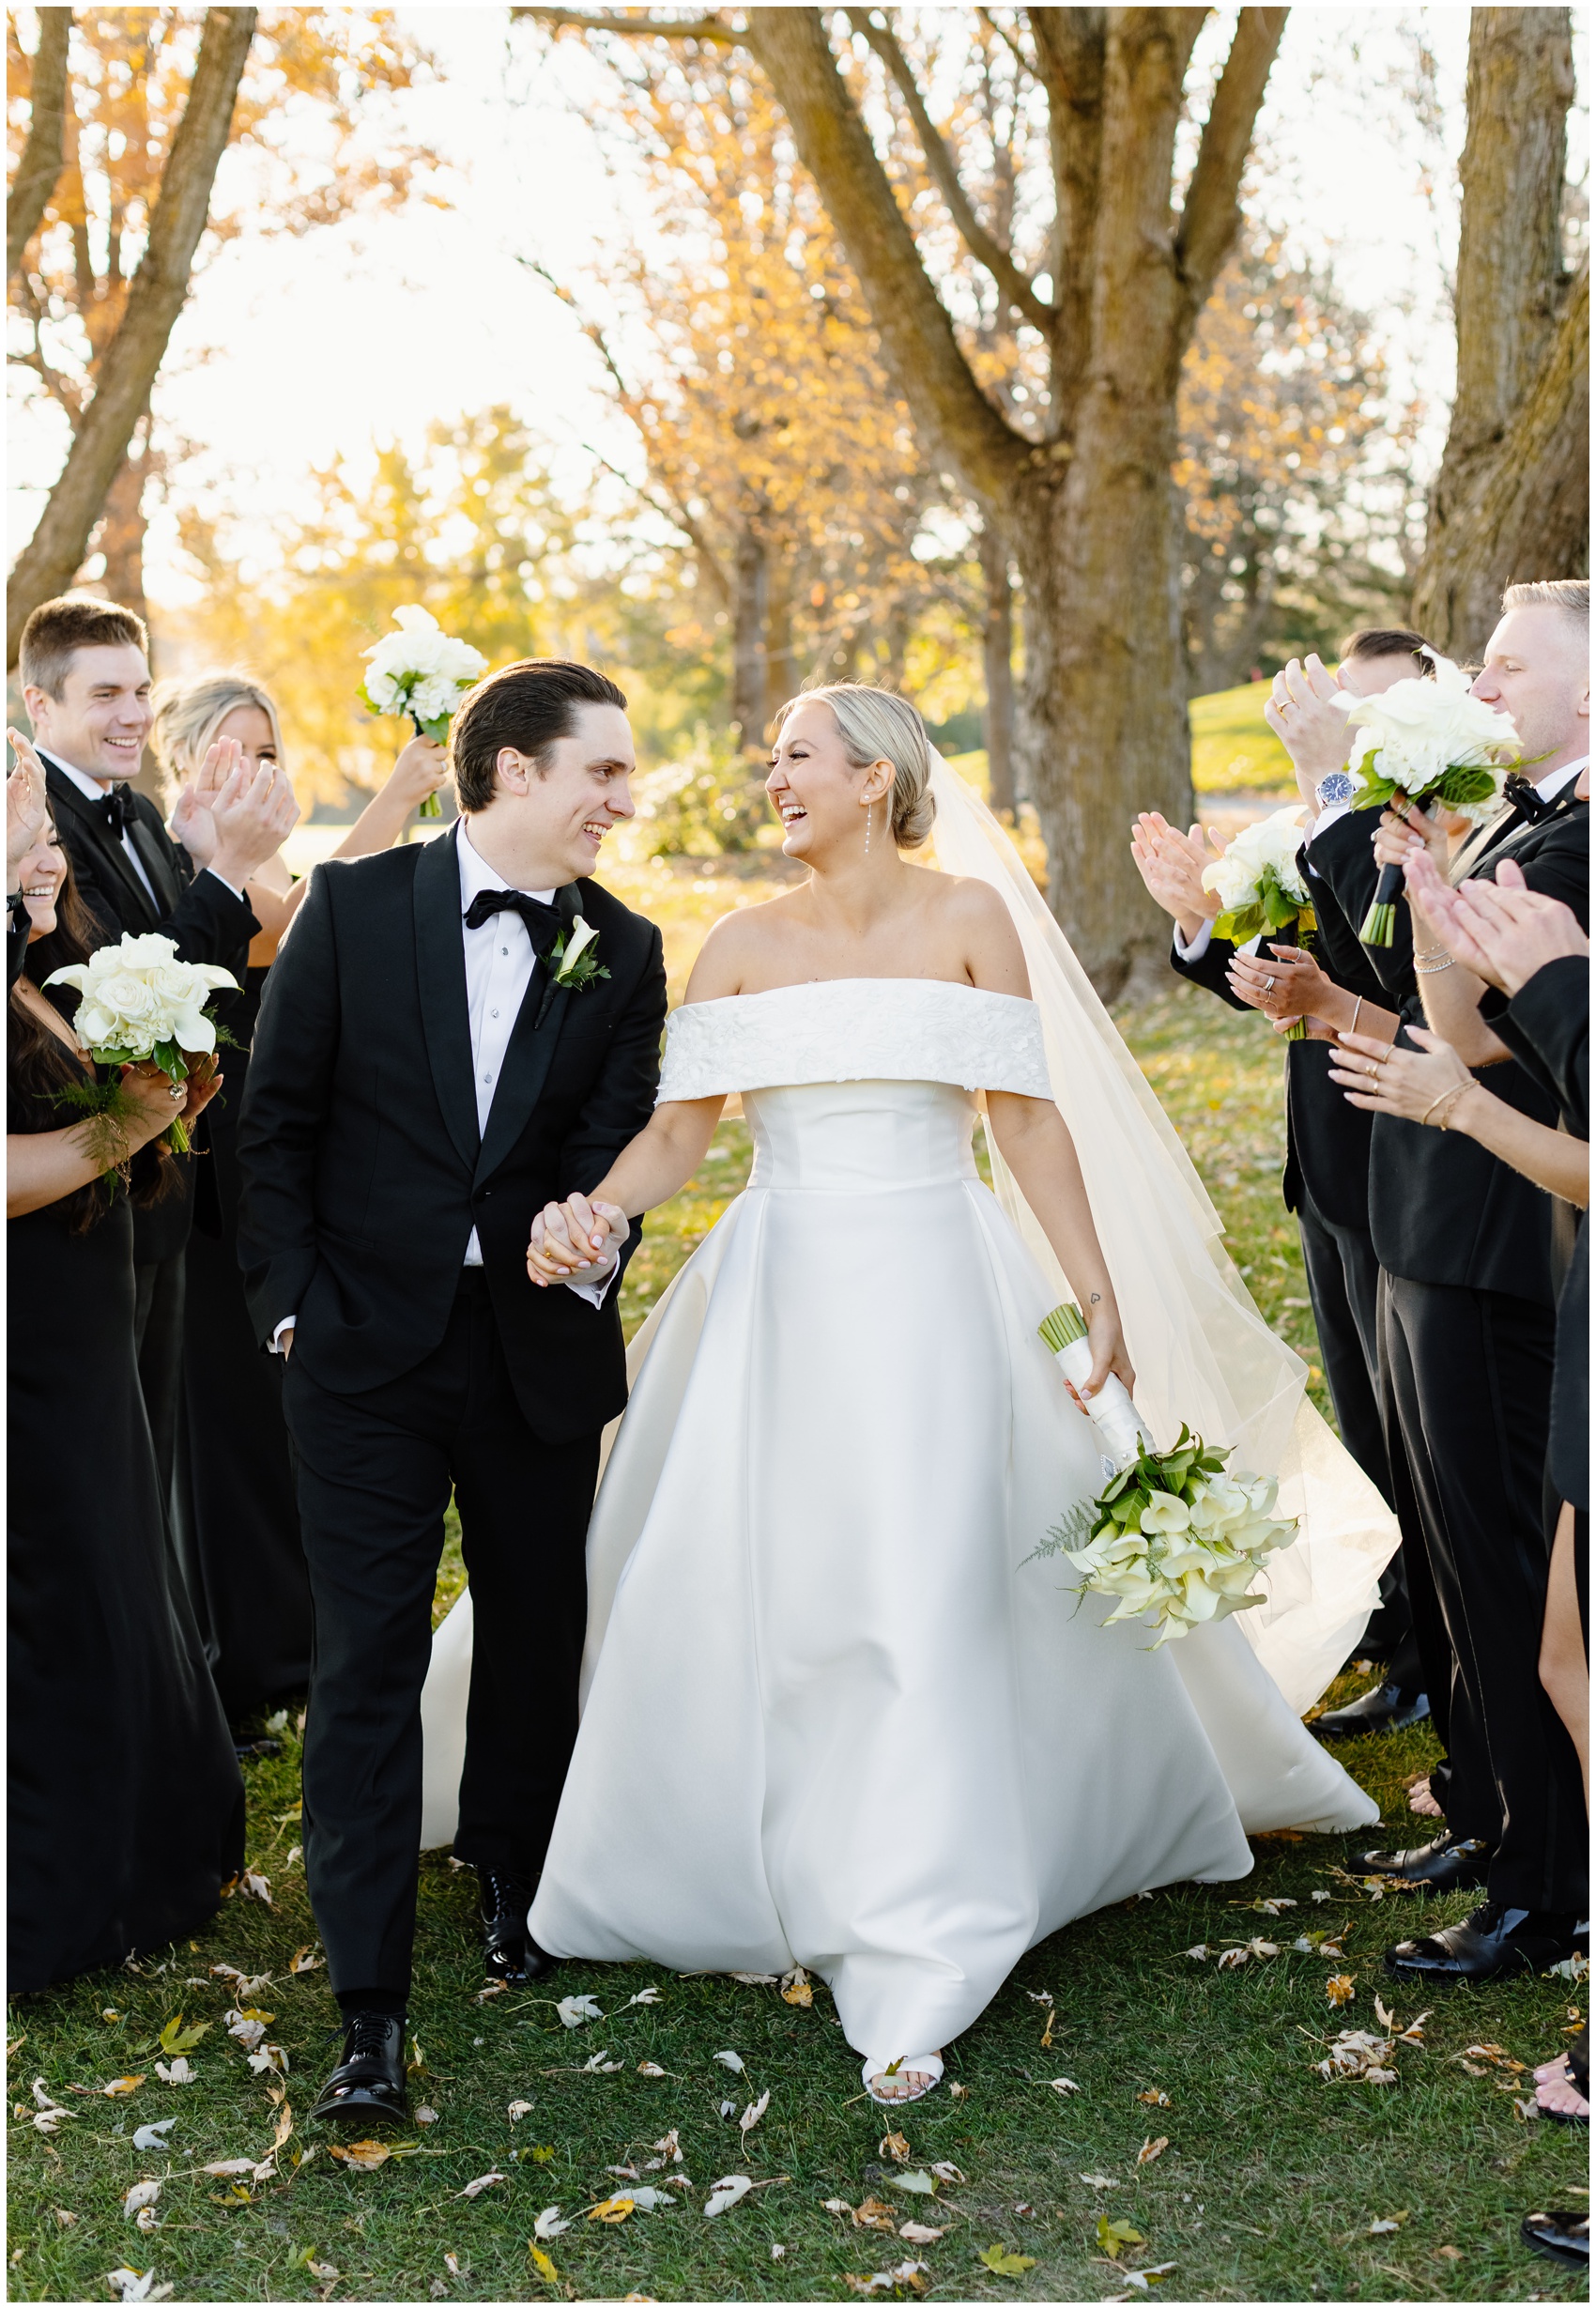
(1430, 970)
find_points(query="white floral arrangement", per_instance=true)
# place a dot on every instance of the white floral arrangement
(1430, 741)
(1261, 890)
(422, 671)
(1174, 1539)
(138, 1004)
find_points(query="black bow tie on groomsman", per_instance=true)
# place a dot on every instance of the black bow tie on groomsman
(117, 809)
(543, 921)
(1526, 799)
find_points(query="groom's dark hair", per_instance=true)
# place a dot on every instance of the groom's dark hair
(530, 706)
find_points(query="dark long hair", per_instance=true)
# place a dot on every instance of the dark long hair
(41, 1066)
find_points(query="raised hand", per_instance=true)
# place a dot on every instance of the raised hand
(191, 821)
(421, 769)
(253, 812)
(27, 806)
(1172, 864)
(1315, 731)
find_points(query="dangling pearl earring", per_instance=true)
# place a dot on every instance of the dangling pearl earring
(869, 821)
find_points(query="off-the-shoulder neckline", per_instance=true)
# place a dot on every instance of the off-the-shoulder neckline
(807, 986)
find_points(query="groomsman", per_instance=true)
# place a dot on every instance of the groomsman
(1467, 1330)
(85, 682)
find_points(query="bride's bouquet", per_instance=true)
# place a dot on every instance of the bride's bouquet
(422, 671)
(1172, 1534)
(1431, 742)
(1261, 888)
(138, 1004)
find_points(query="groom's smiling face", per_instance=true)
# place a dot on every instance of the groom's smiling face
(559, 810)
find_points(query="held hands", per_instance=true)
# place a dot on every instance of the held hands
(27, 807)
(575, 1241)
(1411, 1084)
(1502, 931)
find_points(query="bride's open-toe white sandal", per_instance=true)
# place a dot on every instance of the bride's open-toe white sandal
(890, 2074)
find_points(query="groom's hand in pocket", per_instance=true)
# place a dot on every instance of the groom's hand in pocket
(575, 1241)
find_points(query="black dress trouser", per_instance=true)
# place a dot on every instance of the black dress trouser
(373, 1473)
(1343, 1280)
(1470, 1376)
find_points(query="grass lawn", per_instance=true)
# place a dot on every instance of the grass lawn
(1233, 745)
(1271, 2185)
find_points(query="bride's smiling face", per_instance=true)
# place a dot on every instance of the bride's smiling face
(821, 799)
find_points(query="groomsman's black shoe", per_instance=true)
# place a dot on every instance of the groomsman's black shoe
(369, 2081)
(1491, 1944)
(508, 1951)
(1387, 1708)
(1561, 2237)
(1450, 1864)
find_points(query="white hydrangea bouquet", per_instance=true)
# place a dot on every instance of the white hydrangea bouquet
(1172, 1534)
(1430, 741)
(139, 1004)
(422, 671)
(1261, 890)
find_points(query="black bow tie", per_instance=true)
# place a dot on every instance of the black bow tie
(1526, 799)
(117, 807)
(544, 922)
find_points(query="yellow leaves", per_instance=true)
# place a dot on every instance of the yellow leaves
(1356, 2055)
(1151, 2148)
(120, 2086)
(911, 2276)
(895, 2145)
(1113, 2236)
(175, 2038)
(873, 2214)
(1005, 2264)
(1341, 1988)
(613, 2209)
(304, 1959)
(363, 2156)
(1154, 2099)
(542, 2264)
(799, 1990)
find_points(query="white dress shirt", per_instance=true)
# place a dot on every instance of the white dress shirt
(499, 961)
(95, 789)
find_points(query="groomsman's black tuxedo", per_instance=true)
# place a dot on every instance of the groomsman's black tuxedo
(1467, 1302)
(411, 1375)
(208, 922)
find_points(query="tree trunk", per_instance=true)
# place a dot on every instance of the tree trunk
(44, 154)
(121, 533)
(997, 653)
(127, 370)
(781, 656)
(749, 611)
(1511, 499)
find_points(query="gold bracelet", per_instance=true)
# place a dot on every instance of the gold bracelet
(1450, 1091)
(1356, 1007)
(1451, 1096)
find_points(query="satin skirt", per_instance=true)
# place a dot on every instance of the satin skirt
(833, 1716)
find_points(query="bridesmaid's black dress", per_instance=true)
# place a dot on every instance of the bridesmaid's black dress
(239, 1519)
(126, 1805)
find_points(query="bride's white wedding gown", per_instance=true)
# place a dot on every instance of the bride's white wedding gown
(832, 1715)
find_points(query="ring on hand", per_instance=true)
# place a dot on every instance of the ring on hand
(1268, 986)
(175, 1092)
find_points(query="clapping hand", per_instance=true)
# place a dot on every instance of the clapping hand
(232, 817)
(1313, 729)
(1502, 931)
(27, 806)
(577, 1240)
(1172, 865)
(1384, 1080)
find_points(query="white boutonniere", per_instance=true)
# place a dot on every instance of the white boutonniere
(571, 962)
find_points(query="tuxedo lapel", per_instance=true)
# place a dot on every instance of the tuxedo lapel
(440, 969)
(157, 865)
(91, 832)
(531, 1047)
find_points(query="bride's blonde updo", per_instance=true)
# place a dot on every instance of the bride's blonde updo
(877, 725)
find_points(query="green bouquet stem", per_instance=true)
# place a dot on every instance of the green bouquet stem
(429, 806)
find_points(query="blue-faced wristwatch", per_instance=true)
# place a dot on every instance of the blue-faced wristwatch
(1338, 787)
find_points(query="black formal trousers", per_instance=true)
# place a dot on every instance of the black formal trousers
(375, 1470)
(1471, 1374)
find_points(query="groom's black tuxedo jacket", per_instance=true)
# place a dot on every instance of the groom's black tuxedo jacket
(363, 1170)
(203, 917)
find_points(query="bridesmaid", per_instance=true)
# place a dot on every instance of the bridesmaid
(239, 1526)
(126, 1807)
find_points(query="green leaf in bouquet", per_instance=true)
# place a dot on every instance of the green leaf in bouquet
(1376, 791)
(1241, 923)
(1466, 782)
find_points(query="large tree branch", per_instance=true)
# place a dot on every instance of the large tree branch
(982, 245)
(44, 154)
(1071, 44)
(1212, 215)
(127, 369)
(674, 28)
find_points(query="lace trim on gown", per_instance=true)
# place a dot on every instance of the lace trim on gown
(855, 1030)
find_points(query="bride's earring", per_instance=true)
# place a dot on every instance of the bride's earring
(869, 821)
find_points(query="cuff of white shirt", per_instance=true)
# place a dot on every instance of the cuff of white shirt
(1327, 817)
(225, 884)
(596, 1291)
(286, 1324)
(1199, 946)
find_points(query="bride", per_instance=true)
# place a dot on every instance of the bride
(836, 1713)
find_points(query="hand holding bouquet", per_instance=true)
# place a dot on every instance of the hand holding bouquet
(1430, 741)
(139, 1006)
(1261, 888)
(422, 671)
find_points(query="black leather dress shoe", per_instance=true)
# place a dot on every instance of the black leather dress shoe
(1491, 1944)
(1561, 2237)
(369, 2081)
(1387, 1708)
(508, 1951)
(1449, 1864)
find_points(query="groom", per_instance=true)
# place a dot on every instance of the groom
(434, 1062)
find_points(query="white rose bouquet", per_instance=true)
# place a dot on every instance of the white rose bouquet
(422, 671)
(139, 1004)
(1431, 742)
(1261, 890)
(1175, 1536)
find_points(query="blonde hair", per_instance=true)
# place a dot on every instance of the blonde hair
(877, 725)
(188, 714)
(1572, 596)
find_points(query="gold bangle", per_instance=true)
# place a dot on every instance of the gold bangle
(1451, 1096)
(1356, 1007)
